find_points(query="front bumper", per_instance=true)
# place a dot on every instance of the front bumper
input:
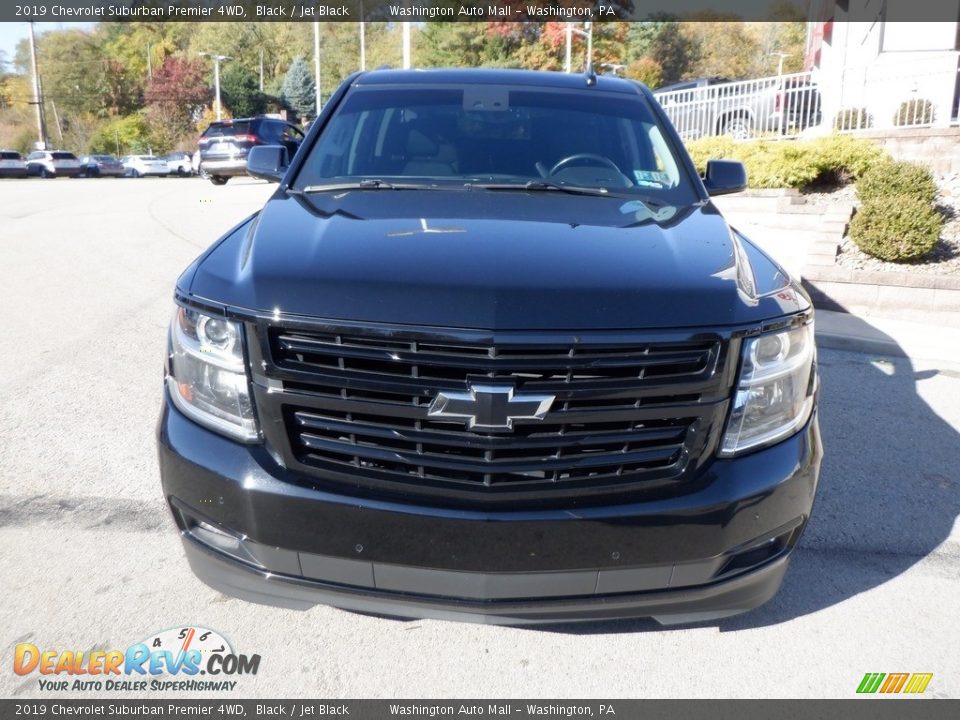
(720, 550)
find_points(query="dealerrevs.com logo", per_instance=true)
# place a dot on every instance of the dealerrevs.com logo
(894, 683)
(186, 659)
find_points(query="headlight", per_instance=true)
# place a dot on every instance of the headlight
(775, 390)
(207, 377)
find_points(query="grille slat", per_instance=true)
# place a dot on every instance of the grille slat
(506, 466)
(400, 362)
(311, 423)
(629, 412)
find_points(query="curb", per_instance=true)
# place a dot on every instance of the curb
(884, 348)
(835, 341)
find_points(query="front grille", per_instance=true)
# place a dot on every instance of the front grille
(629, 412)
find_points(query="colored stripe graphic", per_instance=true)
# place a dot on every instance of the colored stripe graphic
(870, 682)
(894, 683)
(918, 682)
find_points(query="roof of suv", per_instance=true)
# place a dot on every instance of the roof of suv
(496, 76)
(256, 118)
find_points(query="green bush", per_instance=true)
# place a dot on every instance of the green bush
(843, 158)
(122, 136)
(855, 118)
(711, 148)
(780, 164)
(916, 111)
(896, 228)
(792, 163)
(890, 179)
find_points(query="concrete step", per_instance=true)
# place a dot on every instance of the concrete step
(821, 259)
(832, 224)
(785, 235)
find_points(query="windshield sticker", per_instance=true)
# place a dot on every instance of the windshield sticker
(650, 178)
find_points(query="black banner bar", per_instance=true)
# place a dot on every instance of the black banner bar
(472, 10)
(856, 709)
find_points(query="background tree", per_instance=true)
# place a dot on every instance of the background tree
(175, 97)
(240, 91)
(646, 70)
(724, 48)
(299, 90)
(675, 52)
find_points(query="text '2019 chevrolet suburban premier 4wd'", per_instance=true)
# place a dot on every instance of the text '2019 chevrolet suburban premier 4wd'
(490, 352)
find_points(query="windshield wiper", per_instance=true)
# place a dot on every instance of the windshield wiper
(545, 185)
(367, 184)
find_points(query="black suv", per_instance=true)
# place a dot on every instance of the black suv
(224, 145)
(491, 352)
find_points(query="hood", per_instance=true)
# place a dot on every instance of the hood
(493, 260)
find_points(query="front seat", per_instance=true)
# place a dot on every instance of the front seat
(428, 158)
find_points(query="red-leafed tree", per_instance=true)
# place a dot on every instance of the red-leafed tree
(175, 96)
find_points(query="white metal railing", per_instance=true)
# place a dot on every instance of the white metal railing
(887, 94)
(778, 106)
(893, 92)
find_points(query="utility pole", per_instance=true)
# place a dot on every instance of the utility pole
(261, 69)
(405, 28)
(56, 117)
(37, 98)
(316, 62)
(149, 64)
(217, 59)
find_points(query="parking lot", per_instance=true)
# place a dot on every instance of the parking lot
(90, 558)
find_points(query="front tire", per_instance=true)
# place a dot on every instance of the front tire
(218, 179)
(738, 128)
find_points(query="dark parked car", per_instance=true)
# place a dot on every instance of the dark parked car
(224, 145)
(53, 163)
(12, 164)
(101, 166)
(490, 352)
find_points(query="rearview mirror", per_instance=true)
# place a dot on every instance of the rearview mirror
(725, 176)
(267, 162)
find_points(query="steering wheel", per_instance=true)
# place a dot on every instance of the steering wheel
(605, 161)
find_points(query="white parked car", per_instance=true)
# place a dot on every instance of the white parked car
(179, 163)
(12, 164)
(53, 163)
(142, 165)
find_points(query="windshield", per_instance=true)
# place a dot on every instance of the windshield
(497, 137)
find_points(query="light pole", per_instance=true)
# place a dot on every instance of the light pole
(405, 39)
(363, 40)
(587, 32)
(217, 59)
(316, 62)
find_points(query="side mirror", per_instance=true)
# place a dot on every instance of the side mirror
(267, 162)
(725, 176)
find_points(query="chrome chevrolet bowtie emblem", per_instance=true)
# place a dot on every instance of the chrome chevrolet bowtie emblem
(490, 407)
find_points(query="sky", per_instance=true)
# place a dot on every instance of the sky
(12, 32)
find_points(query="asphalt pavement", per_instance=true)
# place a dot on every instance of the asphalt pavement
(89, 558)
